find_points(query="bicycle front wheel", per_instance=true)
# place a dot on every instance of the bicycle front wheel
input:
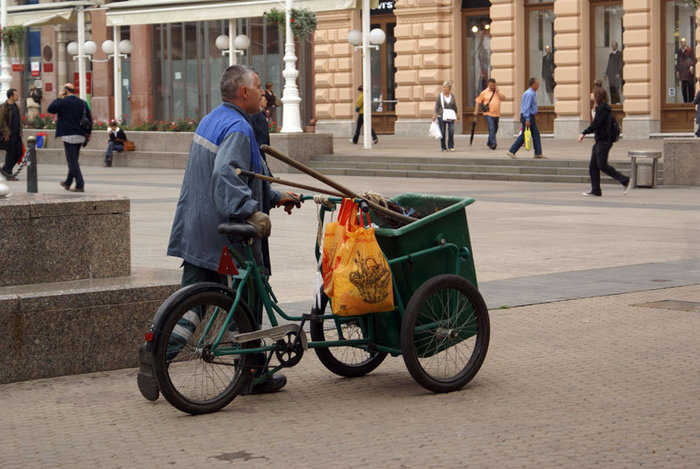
(191, 373)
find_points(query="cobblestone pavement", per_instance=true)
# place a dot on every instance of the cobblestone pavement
(597, 382)
(577, 383)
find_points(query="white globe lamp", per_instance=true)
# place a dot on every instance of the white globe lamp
(221, 42)
(241, 42)
(125, 46)
(72, 48)
(89, 47)
(108, 47)
(355, 37)
(377, 36)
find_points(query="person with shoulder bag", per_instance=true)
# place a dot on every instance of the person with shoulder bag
(446, 115)
(489, 102)
(602, 126)
(11, 133)
(74, 126)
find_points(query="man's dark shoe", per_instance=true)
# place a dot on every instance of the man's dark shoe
(273, 384)
(145, 379)
(64, 185)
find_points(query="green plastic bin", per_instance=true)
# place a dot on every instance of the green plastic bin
(443, 219)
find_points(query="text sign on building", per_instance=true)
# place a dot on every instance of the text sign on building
(17, 67)
(48, 68)
(383, 8)
(88, 82)
(36, 69)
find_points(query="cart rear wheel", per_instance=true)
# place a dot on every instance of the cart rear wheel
(445, 333)
(191, 376)
(351, 362)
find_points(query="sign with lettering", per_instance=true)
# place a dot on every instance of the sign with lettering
(88, 82)
(385, 7)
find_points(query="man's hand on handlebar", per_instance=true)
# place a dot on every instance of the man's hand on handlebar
(261, 222)
(289, 200)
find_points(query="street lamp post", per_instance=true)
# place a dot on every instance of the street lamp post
(232, 45)
(366, 40)
(117, 49)
(5, 77)
(291, 113)
(366, 76)
(81, 63)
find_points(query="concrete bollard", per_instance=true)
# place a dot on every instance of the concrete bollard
(32, 176)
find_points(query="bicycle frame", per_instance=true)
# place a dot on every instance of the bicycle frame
(249, 274)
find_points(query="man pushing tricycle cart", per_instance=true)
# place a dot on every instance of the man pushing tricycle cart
(395, 277)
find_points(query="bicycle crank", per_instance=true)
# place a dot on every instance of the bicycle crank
(275, 333)
(289, 349)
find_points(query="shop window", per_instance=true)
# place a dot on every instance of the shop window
(608, 61)
(383, 70)
(540, 33)
(478, 51)
(679, 51)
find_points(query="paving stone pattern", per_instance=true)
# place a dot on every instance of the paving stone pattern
(595, 382)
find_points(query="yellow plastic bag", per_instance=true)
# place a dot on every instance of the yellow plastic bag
(361, 279)
(333, 237)
(528, 139)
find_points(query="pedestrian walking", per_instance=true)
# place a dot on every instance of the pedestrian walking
(601, 126)
(528, 110)
(696, 102)
(446, 115)
(74, 126)
(489, 102)
(212, 193)
(360, 110)
(115, 142)
(11, 130)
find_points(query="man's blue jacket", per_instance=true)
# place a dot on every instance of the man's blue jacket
(212, 193)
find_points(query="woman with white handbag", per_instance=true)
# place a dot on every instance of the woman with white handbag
(446, 115)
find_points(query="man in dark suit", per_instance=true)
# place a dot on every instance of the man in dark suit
(11, 133)
(74, 125)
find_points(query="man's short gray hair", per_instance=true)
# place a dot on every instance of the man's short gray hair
(234, 78)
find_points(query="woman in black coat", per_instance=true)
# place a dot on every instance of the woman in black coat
(603, 142)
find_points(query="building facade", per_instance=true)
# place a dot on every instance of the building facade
(643, 50)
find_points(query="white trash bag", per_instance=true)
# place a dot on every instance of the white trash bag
(434, 131)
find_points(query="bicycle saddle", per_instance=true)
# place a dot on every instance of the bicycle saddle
(236, 231)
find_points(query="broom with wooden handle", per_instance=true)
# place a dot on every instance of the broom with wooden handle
(335, 185)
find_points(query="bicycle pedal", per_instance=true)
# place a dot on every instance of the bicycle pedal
(274, 333)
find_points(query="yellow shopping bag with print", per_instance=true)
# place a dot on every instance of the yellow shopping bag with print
(361, 280)
(333, 237)
(528, 139)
